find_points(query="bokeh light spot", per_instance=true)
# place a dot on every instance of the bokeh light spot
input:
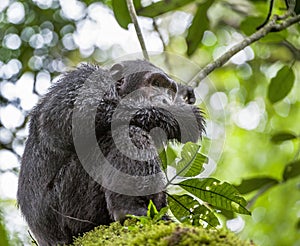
(16, 13)
(12, 41)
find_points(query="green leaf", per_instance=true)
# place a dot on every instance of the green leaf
(188, 154)
(249, 185)
(199, 25)
(152, 210)
(292, 170)
(297, 7)
(163, 158)
(180, 206)
(275, 37)
(188, 210)
(249, 25)
(121, 11)
(168, 156)
(137, 4)
(282, 136)
(202, 213)
(196, 166)
(222, 195)
(161, 214)
(229, 215)
(171, 154)
(281, 84)
(162, 7)
(298, 225)
(191, 163)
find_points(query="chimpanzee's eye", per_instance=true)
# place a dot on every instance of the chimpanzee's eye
(156, 83)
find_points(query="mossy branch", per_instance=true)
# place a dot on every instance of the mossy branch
(159, 233)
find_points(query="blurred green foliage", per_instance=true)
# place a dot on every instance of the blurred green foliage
(258, 89)
(3, 232)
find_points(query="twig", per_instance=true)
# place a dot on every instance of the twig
(33, 241)
(294, 51)
(272, 26)
(268, 16)
(71, 217)
(139, 34)
(258, 194)
(155, 27)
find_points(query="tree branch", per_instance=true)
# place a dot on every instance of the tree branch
(139, 34)
(272, 26)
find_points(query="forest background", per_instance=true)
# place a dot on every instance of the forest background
(252, 102)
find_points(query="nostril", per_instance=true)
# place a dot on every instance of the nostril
(119, 86)
(192, 100)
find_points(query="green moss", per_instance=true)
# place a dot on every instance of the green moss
(163, 233)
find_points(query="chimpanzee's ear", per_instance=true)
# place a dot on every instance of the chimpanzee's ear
(116, 71)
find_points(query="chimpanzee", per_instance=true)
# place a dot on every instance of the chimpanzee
(67, 185)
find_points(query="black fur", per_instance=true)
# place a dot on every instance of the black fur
(57, 197)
